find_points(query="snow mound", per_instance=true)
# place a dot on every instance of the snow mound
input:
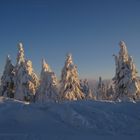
(69, 120)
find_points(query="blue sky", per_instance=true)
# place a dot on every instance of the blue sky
(89, 29)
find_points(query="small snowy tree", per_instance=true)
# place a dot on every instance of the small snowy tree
(125, 80)
(70, 84)
(101, 90)
(26, 81)
(86, 89)
(48, 90)
(7, 79)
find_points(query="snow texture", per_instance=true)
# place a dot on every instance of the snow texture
(69, 120)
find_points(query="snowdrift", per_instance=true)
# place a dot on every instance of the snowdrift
(69, 120)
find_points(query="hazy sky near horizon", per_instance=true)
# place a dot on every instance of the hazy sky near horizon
(89, 29)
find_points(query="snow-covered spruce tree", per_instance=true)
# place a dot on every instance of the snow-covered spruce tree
(7, 80)
(26, 81)
(125, 80)
(86, 89)
(101, 90)
(48, 90)
(70, 84)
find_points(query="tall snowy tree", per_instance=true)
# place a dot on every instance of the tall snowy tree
(26, 81)
(48, 90)
(125, 80)
(7, 79)
(70, 84)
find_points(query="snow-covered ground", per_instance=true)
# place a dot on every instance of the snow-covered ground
(79, 120)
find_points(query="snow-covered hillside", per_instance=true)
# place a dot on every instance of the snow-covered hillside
(69, 120)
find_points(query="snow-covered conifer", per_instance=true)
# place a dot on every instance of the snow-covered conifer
(70, 84)
(26, 81)
(48, 90)
(7, 79)
(125, 80)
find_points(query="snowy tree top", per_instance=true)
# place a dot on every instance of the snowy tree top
(123, 54)
(20, 46)
(122, 43)
(20, 55)
(8, 56)
(69, 58)
(8, 59)
(69, 62)
(45, 66)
